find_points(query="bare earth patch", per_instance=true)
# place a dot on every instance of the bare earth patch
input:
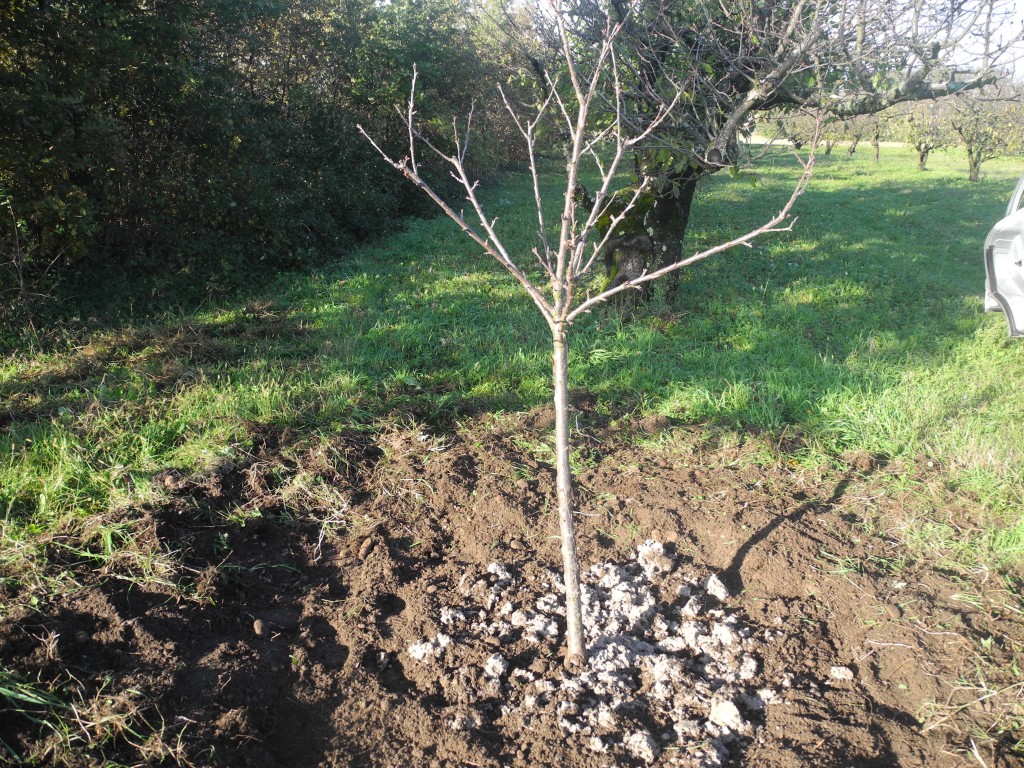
(739, 612)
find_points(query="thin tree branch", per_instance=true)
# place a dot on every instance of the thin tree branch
(772, 225)
(494, 250)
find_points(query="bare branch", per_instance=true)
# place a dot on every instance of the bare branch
(469, 128)
(772, 225)
(410, 121)
(529, 134)
(492, 245)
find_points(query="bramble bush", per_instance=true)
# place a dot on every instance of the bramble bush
(172, 148)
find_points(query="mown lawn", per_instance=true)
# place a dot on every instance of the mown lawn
(861, 330)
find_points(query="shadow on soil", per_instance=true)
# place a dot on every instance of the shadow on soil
(274, 639)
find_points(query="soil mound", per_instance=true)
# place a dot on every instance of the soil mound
(395, 602)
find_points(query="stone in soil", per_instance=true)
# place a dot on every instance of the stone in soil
(657, 655)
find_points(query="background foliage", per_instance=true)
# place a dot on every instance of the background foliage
(145, 142)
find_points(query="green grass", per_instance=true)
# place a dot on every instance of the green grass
(860, 330)
(75, 728)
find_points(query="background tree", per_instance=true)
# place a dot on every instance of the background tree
(832, 134)
(989, 123)
(926, 128)
(855, 129)
(798, 127)
(879, 126)
(597, 141)
(733, 61)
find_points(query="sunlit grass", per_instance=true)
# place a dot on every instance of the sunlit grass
(860, 330)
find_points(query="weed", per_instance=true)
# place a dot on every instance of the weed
(842, 564)
(79, 724)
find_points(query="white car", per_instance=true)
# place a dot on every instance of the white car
(1004, 264)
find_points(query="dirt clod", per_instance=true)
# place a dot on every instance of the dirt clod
(366, 547)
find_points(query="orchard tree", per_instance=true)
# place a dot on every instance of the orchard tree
(586, 105)
(879, 125)
(859, 127)
(721, 64)
(799, 127)
(989, 123)
(926, 128)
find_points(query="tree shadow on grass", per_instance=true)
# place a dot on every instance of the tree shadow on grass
(879, 277)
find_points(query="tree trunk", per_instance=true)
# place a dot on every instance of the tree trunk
(853, 147)
(922, 159)
(876, 144)
(974, 167)
(576, 652)
(670, 219)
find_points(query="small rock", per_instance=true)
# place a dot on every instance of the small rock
(716, 588)
(652, 558)
(515, 544)
(430, 649)
(725, 635)
(465, 720)
(693, 607)
(687, 730)
(748, 668)
(840, 675)
(366, 547)
(260, 628)
(81, 636)
(642, 745)
(431, 589)
(893, 611)
(727, 715)
(495, 666)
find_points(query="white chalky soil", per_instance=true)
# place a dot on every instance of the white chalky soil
(670, 674)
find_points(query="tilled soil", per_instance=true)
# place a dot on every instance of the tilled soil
(394, 602)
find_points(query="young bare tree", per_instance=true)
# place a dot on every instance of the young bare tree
(557, 274)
